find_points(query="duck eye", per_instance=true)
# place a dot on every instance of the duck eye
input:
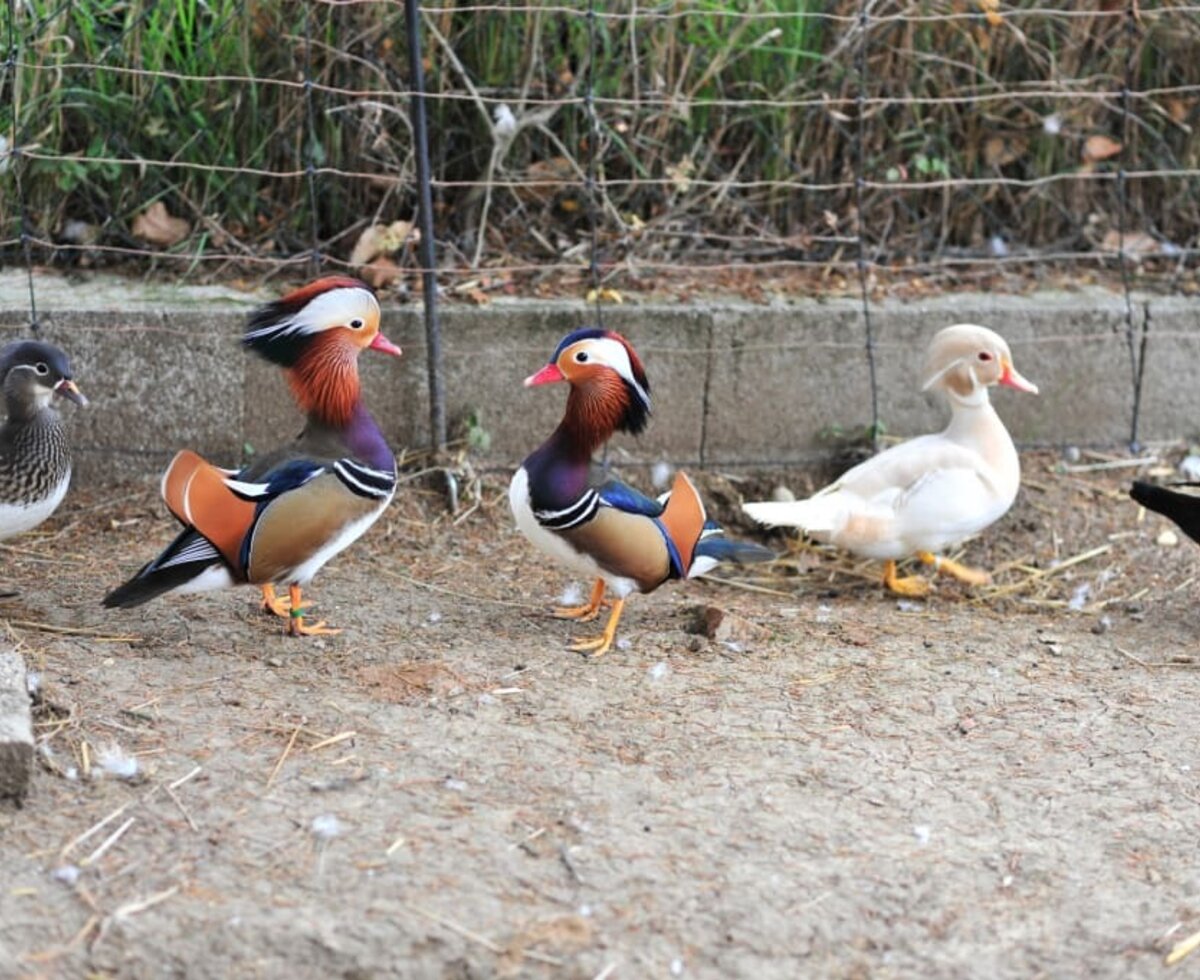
(984, 356)
(581, 357)
(42, 368)
(356, 324)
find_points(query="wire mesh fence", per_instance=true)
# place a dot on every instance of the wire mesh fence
(587, 149)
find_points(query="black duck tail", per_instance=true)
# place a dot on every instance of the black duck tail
(185, 559)
(1182, 508)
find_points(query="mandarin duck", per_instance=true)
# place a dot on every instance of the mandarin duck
(606, 530)
(35, 457)
(279, 519)
(926, 494)
(1181, 508)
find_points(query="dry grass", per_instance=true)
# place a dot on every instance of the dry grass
(700, 137)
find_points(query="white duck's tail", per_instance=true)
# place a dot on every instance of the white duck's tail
(824, 513)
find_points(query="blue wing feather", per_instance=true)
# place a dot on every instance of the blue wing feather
(623, 497)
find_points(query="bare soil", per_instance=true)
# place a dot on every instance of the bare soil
(988, 784)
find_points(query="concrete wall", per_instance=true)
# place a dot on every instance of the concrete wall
(733, 383)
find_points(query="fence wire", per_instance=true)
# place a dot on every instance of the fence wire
(856, 148)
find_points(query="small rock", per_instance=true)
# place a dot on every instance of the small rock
(1102, 626)
(1071, 454)
(274, 662)
(726, 627)
(695, 644)
(1167, 539)
(326, 826)
(966, 724)
(782, 494)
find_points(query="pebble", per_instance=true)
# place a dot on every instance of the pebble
(1167, 539)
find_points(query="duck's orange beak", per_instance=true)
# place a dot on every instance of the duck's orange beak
(380, 343)
(547, 375)
(1010, 377)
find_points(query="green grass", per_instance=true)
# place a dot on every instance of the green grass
(683, 71)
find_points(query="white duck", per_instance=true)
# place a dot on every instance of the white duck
(924, 495)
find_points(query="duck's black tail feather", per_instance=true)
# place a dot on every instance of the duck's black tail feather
(727, 549)
(183, 561)
(1182, 508)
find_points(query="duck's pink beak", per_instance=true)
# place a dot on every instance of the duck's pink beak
(380, 343)
(547, 375)
(1012, 378)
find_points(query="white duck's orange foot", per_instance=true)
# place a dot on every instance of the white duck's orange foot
(944, 566)
(588, 611)
(598, 646)
(912, 586)
(274, 604)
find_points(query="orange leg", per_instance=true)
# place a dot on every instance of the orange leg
(271, 603)
(586, 612)
(911, 585)
(944, 566)
(598, 646)
(296, 626)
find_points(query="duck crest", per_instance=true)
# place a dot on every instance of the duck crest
(276, 331)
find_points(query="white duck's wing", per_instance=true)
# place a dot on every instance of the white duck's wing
(945, 506)
(897, 470)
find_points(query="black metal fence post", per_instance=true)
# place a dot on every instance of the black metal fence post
(433, 334)
(864, 23)
(14, 161)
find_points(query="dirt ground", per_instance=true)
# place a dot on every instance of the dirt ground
(988, 785)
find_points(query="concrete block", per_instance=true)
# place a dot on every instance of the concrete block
(1066, 343)
(16, 728)
(784, 381)
(1170, 396)
(733, 383)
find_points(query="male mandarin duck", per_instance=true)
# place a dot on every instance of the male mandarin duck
(924, 495)
(1181, 508)
(278, 520)
(35, 457)
(606, 530)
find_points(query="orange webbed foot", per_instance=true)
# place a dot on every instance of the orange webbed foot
(947, 566)
(588, 611)
(296, 624)
(274, 604)
(598, 646)
(297, 627)
(912, 586)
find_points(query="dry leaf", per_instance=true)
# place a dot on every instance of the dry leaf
(999, 151)
(681, 175)
(379, 240)
(604, 295)
(1096, 148)
(158, 226)
(380, 273)
(1136, 244)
